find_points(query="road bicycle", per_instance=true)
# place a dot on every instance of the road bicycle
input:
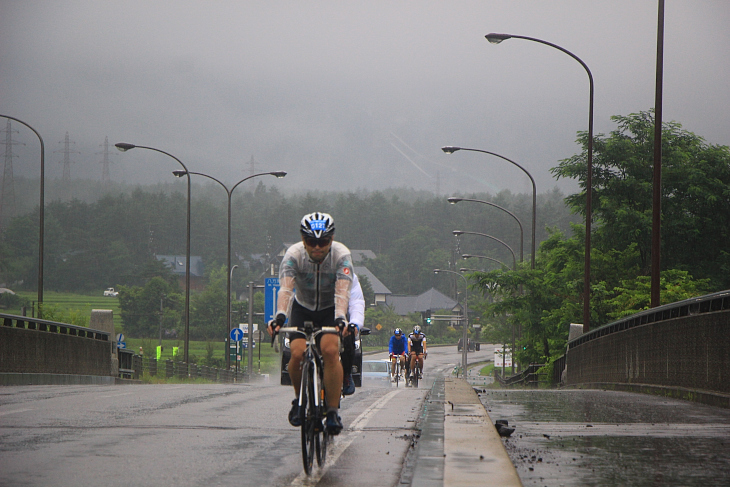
(396, 377)
(312, 402)
(415, 374)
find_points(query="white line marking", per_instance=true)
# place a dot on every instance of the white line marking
(335, 450)
(16, 411)
(116, 395)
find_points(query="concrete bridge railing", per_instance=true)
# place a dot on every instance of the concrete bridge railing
(680, 350)
(35, 346)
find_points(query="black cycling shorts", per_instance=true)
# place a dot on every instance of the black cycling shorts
(320, 318)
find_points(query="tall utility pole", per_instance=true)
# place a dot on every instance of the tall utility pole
(105, 162)
(7, 193)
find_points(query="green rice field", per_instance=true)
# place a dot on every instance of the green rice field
(73, 304)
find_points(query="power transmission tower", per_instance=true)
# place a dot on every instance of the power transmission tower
(251, 171)
(105, 162)
(66, 159)
(7, 194)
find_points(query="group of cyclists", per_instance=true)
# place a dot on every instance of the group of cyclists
(408, 351)
(327, 291)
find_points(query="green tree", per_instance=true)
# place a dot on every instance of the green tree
(208, 308)
(695, 196)
(140, 308)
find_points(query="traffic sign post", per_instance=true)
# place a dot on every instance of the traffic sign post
(271, 286)
(120, 341)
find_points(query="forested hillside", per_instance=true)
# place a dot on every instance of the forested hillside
(90, 245)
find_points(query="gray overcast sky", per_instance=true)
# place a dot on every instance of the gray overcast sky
(346, 95)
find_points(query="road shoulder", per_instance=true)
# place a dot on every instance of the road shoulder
(473, 451)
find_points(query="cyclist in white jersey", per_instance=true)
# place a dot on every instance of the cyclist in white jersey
(321, 271)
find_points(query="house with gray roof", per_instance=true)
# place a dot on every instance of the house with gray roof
(431, 300)
(380, 290)
(177, 264)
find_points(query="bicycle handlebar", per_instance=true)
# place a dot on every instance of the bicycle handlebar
(324, 329)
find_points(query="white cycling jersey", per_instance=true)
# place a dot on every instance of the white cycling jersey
(319, 285)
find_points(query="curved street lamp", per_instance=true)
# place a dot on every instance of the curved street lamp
(514, 258)
(453, 200)
(41, 213)
(496, 39)
(465, 324)
(229, 192)
(124, 147)
(450, 149)
(469, 256)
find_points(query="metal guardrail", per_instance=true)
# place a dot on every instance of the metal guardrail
(689, 307)
(528, 377)
(133, 366)
(28, 323)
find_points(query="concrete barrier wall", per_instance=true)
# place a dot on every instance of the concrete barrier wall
(689, 352)
(34, 351)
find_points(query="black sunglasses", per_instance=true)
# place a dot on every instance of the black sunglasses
(318, 242)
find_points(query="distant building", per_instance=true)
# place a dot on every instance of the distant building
(381, 292)
(431, 300)
(177, 264)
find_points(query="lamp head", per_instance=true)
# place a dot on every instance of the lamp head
(450, 149)
(497, 38)
(466, 256)
(278, 174)
(457, 232)
(453, 200)
(124, 147)
(464, 269)
(436, 271)
(179, 173)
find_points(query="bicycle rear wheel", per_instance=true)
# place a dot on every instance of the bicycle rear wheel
(415, 374)
(307, 416)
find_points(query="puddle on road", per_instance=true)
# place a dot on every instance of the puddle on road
(606, 438)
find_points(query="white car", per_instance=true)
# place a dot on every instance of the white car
(111, 292)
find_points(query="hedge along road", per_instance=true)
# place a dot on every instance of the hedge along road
(211, 434)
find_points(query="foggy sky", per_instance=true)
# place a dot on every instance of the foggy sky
(348, 95)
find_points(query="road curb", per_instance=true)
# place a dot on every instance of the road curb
(473, 451)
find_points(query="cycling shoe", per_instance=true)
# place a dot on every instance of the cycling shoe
(348, 388)
(294, 418)
(333, 423)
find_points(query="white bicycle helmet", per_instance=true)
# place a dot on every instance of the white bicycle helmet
(317, 225)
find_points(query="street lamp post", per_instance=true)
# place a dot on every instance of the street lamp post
(450, 149)
(496, 39)
(465, 324)
(124, 147)
(453, 200)
(41, 213)
(229, 192)
(514, 258)
(469, 256)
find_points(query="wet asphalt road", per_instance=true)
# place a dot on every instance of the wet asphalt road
(607, 438)
(202, 434)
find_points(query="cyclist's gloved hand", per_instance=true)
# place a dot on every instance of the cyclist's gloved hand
(276, 323)
(340, 323)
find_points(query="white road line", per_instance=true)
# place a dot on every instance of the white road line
(16, 411)
(116, 395)
(335, 449)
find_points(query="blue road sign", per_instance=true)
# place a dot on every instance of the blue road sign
(236, 334)
(271, 289)
(120, 341)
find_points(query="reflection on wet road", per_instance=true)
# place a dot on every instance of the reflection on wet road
(607, 438)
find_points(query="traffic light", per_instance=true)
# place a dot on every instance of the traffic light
(428, 317)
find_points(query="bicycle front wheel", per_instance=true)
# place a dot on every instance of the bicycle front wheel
(307, 416)
(321, 437)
